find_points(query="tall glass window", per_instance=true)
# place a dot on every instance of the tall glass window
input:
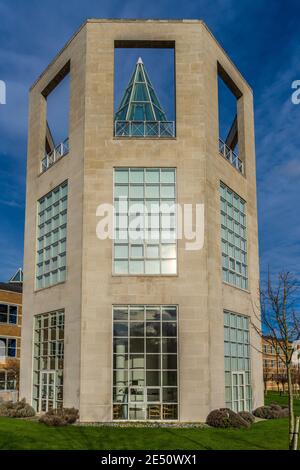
(234, 238)
(145, 363)
(238, 392)
(52, 237)
(145, 221)
(48, 361)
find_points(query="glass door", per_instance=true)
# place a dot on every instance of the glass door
(238, 391)
(47, 392)
(145, 403)
(154, 403)
(137, 403)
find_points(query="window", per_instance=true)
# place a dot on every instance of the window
(238, 392)
(8, 348)
(7, 380)
(144, 89)
(8, 314)
(234, 238)
(145, 362)
(57, 96)
(145, 221)
(52, 237)
(48, 361)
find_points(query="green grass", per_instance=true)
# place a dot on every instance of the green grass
(22, 434)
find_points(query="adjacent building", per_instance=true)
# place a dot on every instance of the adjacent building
(274, 369)
(139, 326)
(10, 335)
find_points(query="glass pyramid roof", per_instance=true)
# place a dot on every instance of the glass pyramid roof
(140, 102)
(17, 277)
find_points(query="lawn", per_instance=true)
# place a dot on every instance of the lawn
(21, 434)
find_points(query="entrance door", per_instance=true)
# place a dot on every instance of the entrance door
(47, 391)
(136, 402)
(154, 403)
(238, 391)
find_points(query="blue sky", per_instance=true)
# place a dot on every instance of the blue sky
(261, 37)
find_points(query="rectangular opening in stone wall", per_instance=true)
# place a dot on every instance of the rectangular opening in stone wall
(57, 95)
(144, 89)
(228, 96)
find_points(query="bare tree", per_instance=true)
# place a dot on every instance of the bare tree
(281, 378)
(281, 324)
(12, 366)
(267, 376)
(296, 381)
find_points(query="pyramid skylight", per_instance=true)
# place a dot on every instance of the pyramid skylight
(140, 113)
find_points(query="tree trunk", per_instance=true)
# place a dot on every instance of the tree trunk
(296, 433)
(291, 408)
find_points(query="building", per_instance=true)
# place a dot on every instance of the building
(131, 328)
(274, 370)
(10, 334)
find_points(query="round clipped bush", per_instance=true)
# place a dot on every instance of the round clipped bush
(20, 409)
(5, 408)
(51, 419)
(218, 419)
(226, 418)
(262, 412)
(273, 411)
(247, 416)
(275, 406)
(60, 417)
(284, 412)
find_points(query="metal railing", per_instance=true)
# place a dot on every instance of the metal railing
(58, 152)
(157, 129)
(231, 156)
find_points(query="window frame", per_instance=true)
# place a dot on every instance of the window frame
(8, 314)
(234, 358)
(16, 347)
(145, 354)
(54, 351)
(140, 242)
(7, 380)
(60, 240)
(231, 245)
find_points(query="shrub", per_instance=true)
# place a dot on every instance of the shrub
(20, 409)
(226, 418)
(273, 411)
(262, 412)
(247, 416)
(275, 406)
(5, 408)
(60, 417)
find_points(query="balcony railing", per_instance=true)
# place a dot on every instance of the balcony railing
(156, 129)
(58, 152)
(231, 156)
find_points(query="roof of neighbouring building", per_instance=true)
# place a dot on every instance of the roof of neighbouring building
(12, 286)
(15, 284)
(139, 102)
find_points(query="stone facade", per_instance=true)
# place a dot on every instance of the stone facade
(91, 290)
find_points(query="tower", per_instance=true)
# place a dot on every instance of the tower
(141, 326)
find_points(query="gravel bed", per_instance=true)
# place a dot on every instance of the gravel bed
(141, 424)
